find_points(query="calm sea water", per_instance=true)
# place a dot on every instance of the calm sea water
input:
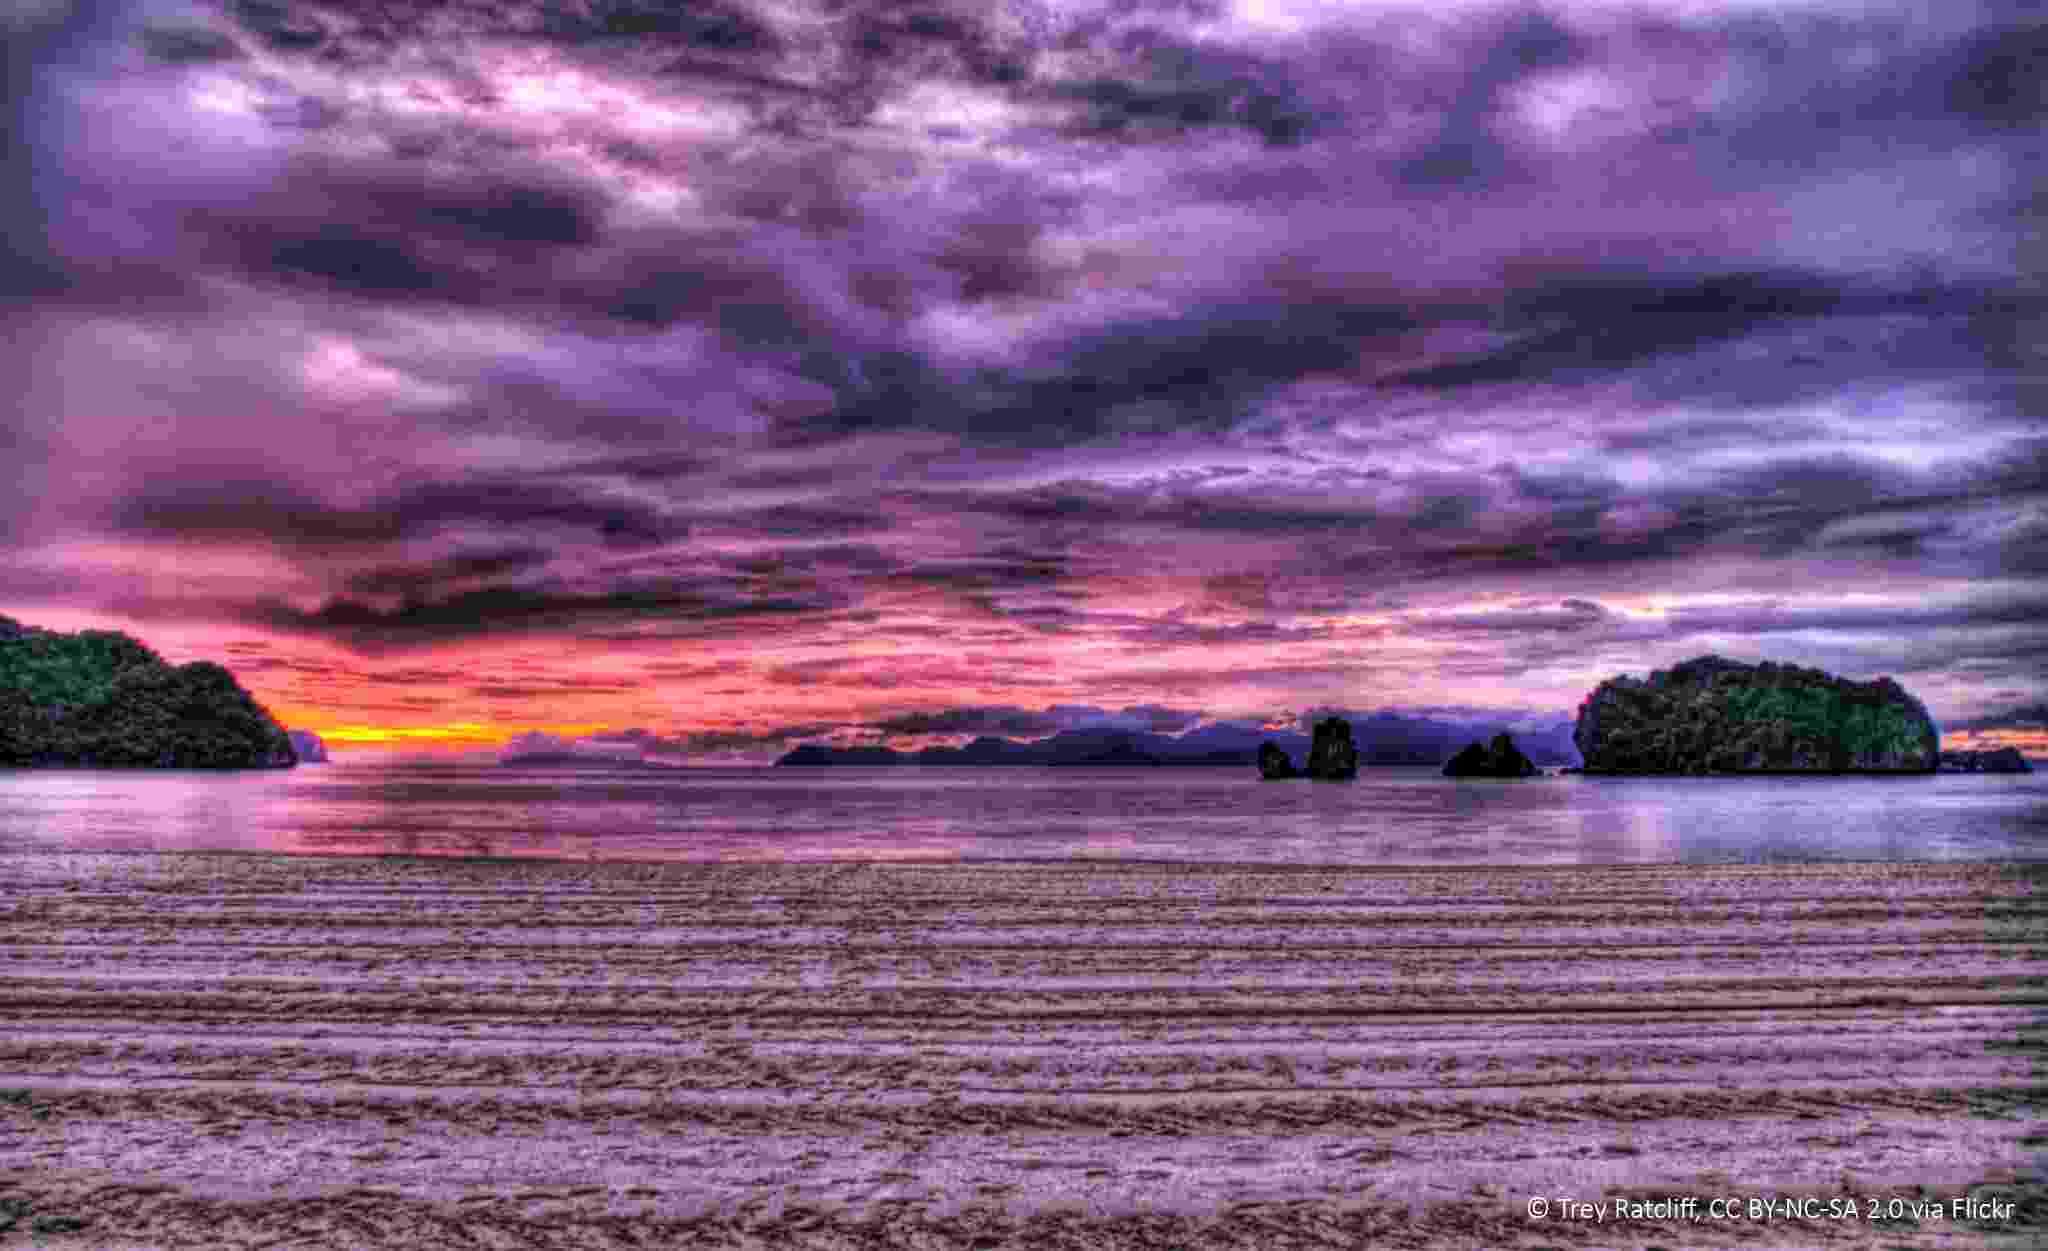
(1388, 816)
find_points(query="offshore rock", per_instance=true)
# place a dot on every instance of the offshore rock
(1713, 715)
(1332, 756)
(1499, 759)
(100, 699)
(2000, 760)
(308, 746)
(1274, 765)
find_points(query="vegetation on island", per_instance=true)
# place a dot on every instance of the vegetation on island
(1498, 759)
(99, 698)
(1712, 715)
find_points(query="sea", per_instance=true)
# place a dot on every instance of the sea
(1388, 816)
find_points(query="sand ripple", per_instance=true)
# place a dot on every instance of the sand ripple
(251, 1051)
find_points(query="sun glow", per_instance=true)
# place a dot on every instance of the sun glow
(473, 733)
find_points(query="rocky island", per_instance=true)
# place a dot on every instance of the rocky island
(1332, 756)
(100, 699)
(1498, 759)
(1711, 715)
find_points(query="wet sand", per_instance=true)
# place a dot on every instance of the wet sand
(254, 1051)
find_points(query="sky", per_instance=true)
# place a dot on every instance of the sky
(699, 379)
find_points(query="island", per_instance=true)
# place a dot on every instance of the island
(1499, 759)
(571, 759)
(1997, 760)
(1102, 748)
(100, 699)
(1332, 756)
(1383, 738)
(1711, 715)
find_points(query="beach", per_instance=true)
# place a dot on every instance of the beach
(244, 1051)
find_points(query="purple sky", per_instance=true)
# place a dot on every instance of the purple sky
(710, 377)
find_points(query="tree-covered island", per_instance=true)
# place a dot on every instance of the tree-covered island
(100, 699)
(1713, 715)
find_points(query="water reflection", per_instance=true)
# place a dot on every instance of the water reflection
(1389, 816)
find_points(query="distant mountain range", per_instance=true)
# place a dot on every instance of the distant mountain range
(1383, 739)
(580, 760)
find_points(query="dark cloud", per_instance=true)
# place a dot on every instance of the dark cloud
(1569, 616)
(417, 675)
(513, 503)
(404, 230)
(2021, 717)
(1201, 370)
(548, 690)
(423, 578)
(800, 521)
(285, 27)
(227, 504)
(1603, 325)
(2026, 609)
(1467, 150)
(369, 628)
(1170, 87)
(2000, 77)
(1152, 633)
(998, 569)
(654, 23)
(189, 45)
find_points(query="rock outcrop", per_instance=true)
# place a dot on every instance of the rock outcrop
(100, 699)
(1712, 715)
(308, 746)
(1499, 759)
(1332, 756)
(1274, 764)
(1999, 760)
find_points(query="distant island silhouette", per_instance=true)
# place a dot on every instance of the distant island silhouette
(1381, 739)
(581, 760)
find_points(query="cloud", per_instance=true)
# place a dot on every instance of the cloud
(1167, 86)
(1568, 616)
(1021, 357)
(2019, 717)
(677, 609)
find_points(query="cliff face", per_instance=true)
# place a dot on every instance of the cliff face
(1711, 715)
(99, 698)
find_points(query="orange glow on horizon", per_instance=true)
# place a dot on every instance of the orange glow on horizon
(2032, 743)
(466, 733)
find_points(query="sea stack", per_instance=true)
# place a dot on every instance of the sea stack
(1274, 764)
(1332, 756)
(1500, 759)
(1711, 715)
(311, 749)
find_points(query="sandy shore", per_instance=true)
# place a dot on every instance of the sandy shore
(251, 1051)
